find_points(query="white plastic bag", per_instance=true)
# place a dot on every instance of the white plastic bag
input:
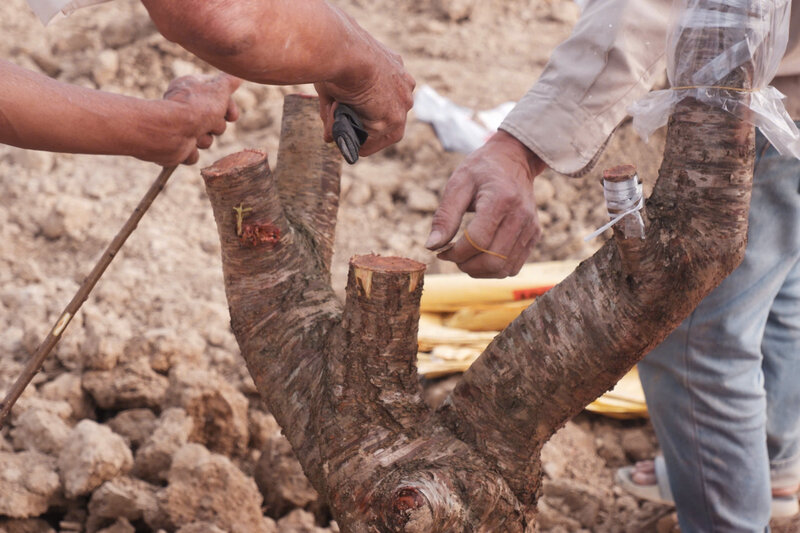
(755, 33)
(454, 125)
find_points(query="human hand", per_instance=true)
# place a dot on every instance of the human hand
(204, 106)
(495, 181)
(381, 95)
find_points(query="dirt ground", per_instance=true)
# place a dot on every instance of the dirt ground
(158, 321)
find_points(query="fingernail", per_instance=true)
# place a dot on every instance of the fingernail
(433, 239)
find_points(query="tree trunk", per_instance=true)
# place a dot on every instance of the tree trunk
(341, 380)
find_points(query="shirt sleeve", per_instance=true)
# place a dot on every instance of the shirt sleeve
(612, 58)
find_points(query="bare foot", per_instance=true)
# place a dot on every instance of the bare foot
(787, 491)
(644, 473)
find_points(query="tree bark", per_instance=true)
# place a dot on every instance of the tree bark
(341, 380)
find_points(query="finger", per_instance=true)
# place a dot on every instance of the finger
(219, 127)
(232, 113)
(522, 249)
(387, 138)
(205, 141)
(481, 256)
(193, 157)
(486, 265)
(480, 235)
(457, 196)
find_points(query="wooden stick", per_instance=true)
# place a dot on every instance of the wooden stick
(36, 362)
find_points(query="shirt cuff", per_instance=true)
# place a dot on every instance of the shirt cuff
(561, 133)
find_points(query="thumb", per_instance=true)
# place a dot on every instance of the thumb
(456, 199)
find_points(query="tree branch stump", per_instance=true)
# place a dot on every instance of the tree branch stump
(341, 380)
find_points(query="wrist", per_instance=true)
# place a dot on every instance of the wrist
(161, 127)
(511, 144)
(353, 68)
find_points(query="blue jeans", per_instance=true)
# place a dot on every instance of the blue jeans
(724, 388)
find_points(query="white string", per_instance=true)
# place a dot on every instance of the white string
(626, 196)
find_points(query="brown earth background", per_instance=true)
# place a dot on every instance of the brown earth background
(145, 417)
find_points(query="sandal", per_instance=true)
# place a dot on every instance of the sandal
(660, 492)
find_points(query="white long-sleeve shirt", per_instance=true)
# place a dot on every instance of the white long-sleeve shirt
(613, 57)
(47, 9)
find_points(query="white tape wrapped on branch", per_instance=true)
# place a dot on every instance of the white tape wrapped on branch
(622, 199)
(764, 28)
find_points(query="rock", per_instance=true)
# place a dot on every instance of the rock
(40, 430)
(281, 480)
(422, 200)
(358, 193)
(120, 526)
(565, 11)
(573, 499)
(165, 347)
(72, 42)
(568, 449)
(455, 10)
(245, 99)
(5, 446)
(29, 483)
(256, 119)
(131, 385)
(551, 520)
(70, 216)
(218, 409)
(30, 525)
(67, 387)
(609, 446)
(668, 524)
(102, 349)
(263, 427)
(200, 527)
(543, 191)
(226, 497)
(46, 62)
(30, 159)
(135, 425)
(638, 444)
(27, 402)
(120, 32)
(123, 497)
(171, 433)
(93, 455)
(106, 67)
(299, 521)
(182, 68)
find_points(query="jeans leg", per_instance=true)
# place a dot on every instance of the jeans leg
(704, 383)
(781, 349)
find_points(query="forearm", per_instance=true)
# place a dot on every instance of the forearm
(268, 41)
(39, 113)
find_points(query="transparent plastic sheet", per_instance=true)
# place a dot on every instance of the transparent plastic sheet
(754, 39)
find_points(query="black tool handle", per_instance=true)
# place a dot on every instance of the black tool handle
(348, 132)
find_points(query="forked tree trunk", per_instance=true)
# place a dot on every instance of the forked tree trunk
(341, 380)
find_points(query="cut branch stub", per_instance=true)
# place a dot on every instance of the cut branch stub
(279, 297)
(308, 172)
(629, 233)
(381, 319)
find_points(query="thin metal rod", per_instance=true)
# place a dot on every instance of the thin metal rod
(36, 362)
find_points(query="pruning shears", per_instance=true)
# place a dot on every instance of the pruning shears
(348, 132)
